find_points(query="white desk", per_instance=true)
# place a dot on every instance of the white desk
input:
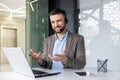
(66, 74)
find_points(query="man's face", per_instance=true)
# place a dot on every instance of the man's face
(58, 22)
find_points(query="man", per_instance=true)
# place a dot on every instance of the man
(62, 49)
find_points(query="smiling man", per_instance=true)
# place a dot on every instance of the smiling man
(62, 49)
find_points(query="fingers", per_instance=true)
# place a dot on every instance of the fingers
(57, 55)
(54, 58)
(35, 55)
(50, 56)
(39, 54)
(62, 54)
(33, 52)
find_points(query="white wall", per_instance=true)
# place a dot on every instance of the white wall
(100, 25)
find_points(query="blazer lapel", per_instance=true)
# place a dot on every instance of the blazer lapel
(68, 43)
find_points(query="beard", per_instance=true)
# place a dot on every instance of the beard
(60, 31)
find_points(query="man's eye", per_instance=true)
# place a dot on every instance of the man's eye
(52, 22)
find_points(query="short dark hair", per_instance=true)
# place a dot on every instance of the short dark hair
(59, 11)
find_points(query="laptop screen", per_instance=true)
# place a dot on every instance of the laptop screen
(20, 65)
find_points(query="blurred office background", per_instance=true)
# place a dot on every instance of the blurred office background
(26, 25)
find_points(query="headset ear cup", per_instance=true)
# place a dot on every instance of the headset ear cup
(66, 20)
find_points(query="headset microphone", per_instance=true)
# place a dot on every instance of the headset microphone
(61, 30)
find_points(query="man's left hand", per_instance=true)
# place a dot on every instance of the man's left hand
(58, 57)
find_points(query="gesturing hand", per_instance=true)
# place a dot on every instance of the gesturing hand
(58, 57)
(36, 56)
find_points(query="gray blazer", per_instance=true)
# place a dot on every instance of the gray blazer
(75, 51)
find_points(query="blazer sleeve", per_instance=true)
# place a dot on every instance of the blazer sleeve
(46, 63)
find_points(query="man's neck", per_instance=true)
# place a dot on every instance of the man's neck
(60, 35)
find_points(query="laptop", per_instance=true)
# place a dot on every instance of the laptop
(20, 65)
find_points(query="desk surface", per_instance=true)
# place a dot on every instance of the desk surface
(66, 74)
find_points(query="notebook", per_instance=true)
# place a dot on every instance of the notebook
(20, 65)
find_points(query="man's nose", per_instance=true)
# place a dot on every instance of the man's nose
(56, 23)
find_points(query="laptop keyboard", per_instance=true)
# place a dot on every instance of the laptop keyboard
(43, 74)
(38, 72)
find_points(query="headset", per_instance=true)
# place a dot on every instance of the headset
(66, 20)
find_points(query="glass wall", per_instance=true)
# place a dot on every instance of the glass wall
(100, 24)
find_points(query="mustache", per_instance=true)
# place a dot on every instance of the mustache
(61, 30)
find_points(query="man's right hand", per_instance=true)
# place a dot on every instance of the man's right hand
(36, 56)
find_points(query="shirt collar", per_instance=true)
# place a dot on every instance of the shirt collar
(65, 35)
